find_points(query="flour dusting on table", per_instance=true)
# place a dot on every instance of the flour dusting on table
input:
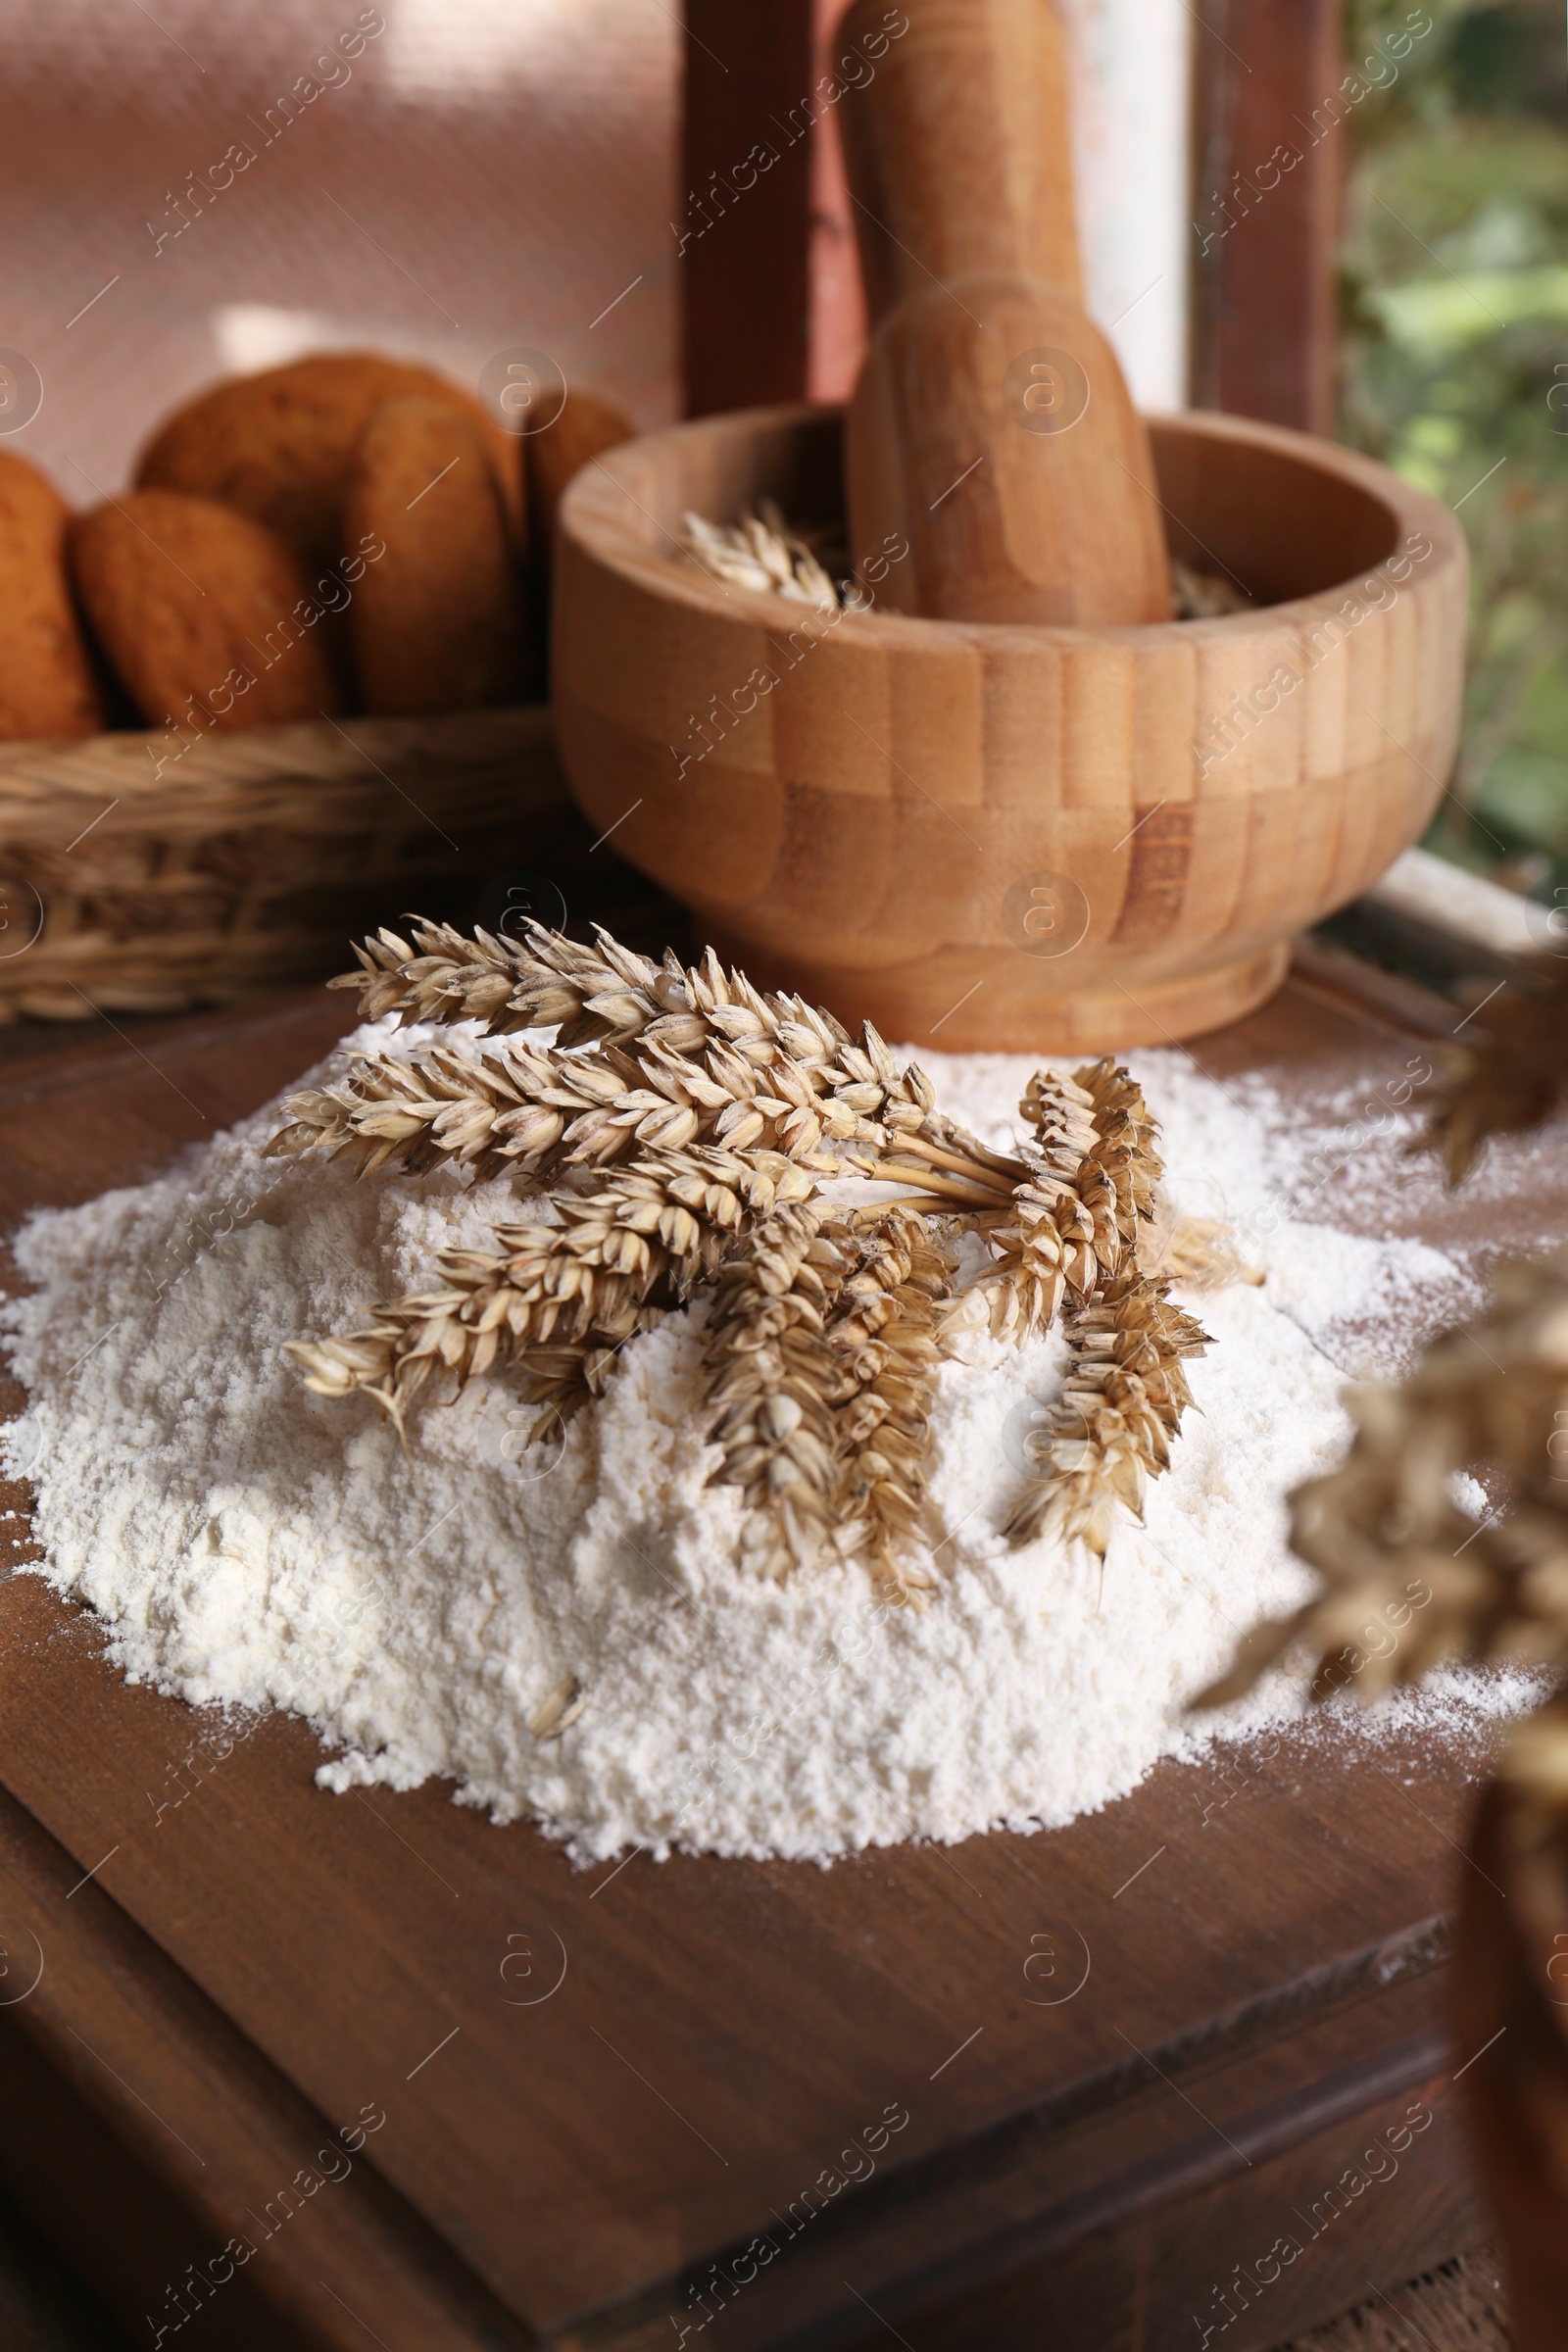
(247, 1542)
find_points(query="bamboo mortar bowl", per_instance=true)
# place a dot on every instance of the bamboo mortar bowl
(1023, 839)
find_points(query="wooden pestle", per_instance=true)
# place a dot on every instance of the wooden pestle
(991, 426)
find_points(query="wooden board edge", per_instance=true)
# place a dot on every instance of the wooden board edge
(1098, 2163)
(143, 2128)
(1098, 2292)
(1137, 2279)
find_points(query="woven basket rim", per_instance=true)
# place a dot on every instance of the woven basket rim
(295, 748)
(245, 865)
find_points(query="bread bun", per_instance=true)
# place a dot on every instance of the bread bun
(46, 681)
(587, 425)
(279, 446)
(437, 620)
(204, 613)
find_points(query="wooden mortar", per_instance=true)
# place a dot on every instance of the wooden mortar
(1026, 839)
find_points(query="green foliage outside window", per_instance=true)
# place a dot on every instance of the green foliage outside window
(1455, 373)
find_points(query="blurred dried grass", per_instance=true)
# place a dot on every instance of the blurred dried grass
(1459, 2307)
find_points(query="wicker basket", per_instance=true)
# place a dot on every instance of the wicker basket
(253, 859)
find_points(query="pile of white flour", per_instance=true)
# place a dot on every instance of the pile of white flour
(247, 1542)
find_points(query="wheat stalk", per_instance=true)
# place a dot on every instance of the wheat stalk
(822, 1358)
(511, 1108)
(538, 1112)
(1076, 1214)
(771, 1376)
(589, 995)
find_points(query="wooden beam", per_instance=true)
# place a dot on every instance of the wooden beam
(1272, 99)
(769, 296)
(745, 215)
(836, 332)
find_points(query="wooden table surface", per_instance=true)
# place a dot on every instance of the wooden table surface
(1085, 2080)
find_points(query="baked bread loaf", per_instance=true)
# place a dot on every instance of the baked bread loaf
(279, 446)
(46, 681)
(204, 613)
(586, 425)
(436, 620)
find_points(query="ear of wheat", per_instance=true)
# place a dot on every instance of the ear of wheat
(1110, 1429)
(1077, 1209)
(647, 1054)
(677, 1130)
(621, 1255)
(586, 993)
(771, 1377)
(1513, 1074)
(1409, 1581)
(762, 553)
(884, 1335)
(822, 1359)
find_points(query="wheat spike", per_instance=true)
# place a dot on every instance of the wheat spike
(1110, 1430)
(1409, 1581)
(822, 1355)
(884, 1335)
(761, 553)
(771, 1376)
(551, 1295)
(538, 1111)
(440, 974)
(1076, 1212)
(1513, 1075)
(675, 1056)
(678, 1128)
(512, 1109)
(1047, 1238)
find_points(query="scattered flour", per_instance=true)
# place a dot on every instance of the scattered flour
(249, 1544)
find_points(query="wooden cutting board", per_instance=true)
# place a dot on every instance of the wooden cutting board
(454, 2092)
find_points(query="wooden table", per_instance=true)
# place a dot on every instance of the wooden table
(457, 2093)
